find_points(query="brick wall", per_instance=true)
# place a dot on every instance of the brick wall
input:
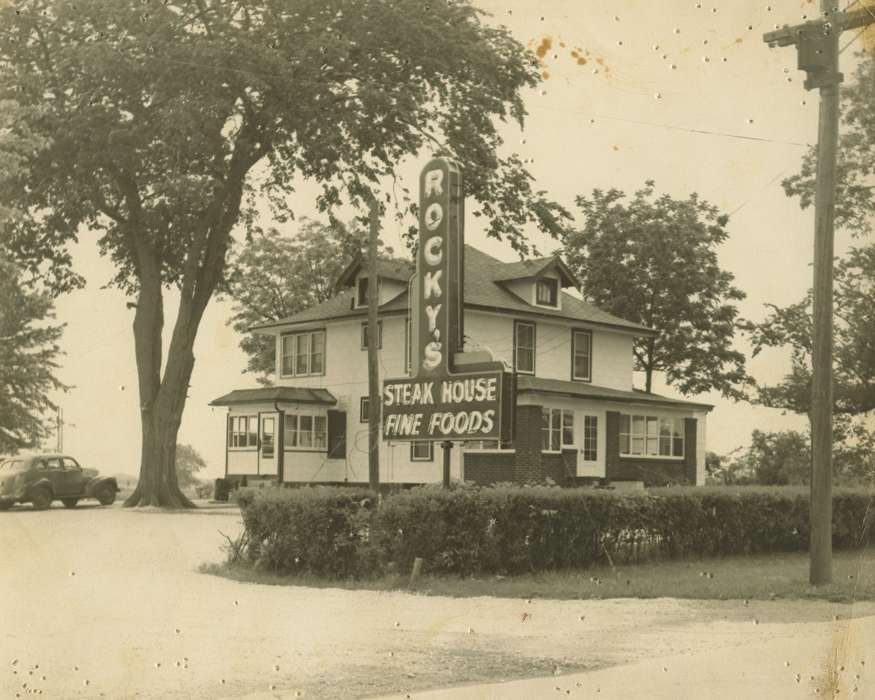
(485, 469)
(527, 465)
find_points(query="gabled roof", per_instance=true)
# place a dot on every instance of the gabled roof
(526, 269)
(528, 383)
(484, 290)
(390, 268)
(270, 394)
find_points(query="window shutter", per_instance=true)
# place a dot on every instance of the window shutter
(229, 431)
(337, 434)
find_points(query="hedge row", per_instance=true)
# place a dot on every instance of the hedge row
(343, 532)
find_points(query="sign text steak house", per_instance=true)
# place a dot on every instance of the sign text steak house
(464, 406)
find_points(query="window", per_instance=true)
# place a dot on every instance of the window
(53, 463)
(524, 347)
(243, 431)
(305, 432)
(267, 429)
(361, 296)
(421, 452)
(474, 445)
(651, 436)
(364, 409)
(303, 354)
(557, 429)
(590, 438)
(547, 292)
(581, 355)
(379, 335)
(71, 465)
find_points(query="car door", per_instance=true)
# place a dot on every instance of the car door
(72, 478)
(54, 474)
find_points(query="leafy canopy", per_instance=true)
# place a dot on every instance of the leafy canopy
(853, 337)
(653, 260)
(29, 354)
(274, 276)
(188, 463)
(154, 115)
(855, 168)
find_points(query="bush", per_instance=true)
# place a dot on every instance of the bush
(343, 532)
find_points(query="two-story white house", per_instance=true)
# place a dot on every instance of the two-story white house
(578, 417)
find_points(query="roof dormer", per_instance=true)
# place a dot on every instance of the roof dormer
(540, 281)
(392, 277)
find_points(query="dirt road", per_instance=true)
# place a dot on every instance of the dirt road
(103, 602)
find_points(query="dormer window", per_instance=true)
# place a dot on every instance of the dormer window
(547, 292)
(361, 295)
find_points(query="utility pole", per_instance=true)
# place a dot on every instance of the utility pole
(817, 46)
(373, 348)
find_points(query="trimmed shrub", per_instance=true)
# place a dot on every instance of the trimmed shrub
(343, 532)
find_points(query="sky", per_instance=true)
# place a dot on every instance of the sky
(683, 93)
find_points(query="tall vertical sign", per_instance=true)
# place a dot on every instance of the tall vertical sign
(441, 267)
(444, 400)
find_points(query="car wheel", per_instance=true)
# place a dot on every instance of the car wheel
(69, 502)
(105, 495)
(41, 499)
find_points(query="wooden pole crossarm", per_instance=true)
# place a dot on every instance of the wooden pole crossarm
(789, 35)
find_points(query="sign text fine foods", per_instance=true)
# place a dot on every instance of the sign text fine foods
(439, 403)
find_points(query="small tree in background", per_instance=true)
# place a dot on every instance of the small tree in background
(274, 276)
(29, 355)
(653, 260)
(188, 463)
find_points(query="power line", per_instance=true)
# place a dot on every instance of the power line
(702, 132)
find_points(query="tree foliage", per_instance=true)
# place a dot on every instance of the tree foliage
(188, 463)
(166, 126)
(855, 167)
(853, 336)
(274, 276)
(29, 354)
(653, 260)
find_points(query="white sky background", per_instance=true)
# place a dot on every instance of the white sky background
(585, 131)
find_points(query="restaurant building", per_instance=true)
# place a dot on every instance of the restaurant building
(577, 417)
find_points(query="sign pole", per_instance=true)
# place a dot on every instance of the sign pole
(447, 445)
(373, 348)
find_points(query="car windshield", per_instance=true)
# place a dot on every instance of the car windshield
(12, 465)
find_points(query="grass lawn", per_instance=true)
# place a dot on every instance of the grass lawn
(761, 577)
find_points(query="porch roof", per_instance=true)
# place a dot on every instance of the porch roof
(270, 394)
(526, 383)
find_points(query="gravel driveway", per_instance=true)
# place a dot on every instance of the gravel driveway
(107, 602)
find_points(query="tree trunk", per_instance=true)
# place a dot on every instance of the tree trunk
(161, 400)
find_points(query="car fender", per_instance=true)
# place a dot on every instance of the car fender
(41, 483)
(94, 484)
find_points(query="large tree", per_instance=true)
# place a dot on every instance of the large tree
(275, 275)
(855, 172)
(164, 121)
(790, 327)
(29, 354)
(653, 260)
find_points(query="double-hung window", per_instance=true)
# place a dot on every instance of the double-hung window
(421, 452)
(589, 451)
(361, 298)
(581, 355)
(303, 354)
(305, 432)
(364, 409)
(557, 429)
(243, 431)
(651, 436)
(524, 347)
(547, 292)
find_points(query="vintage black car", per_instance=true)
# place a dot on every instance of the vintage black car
(40, 479)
